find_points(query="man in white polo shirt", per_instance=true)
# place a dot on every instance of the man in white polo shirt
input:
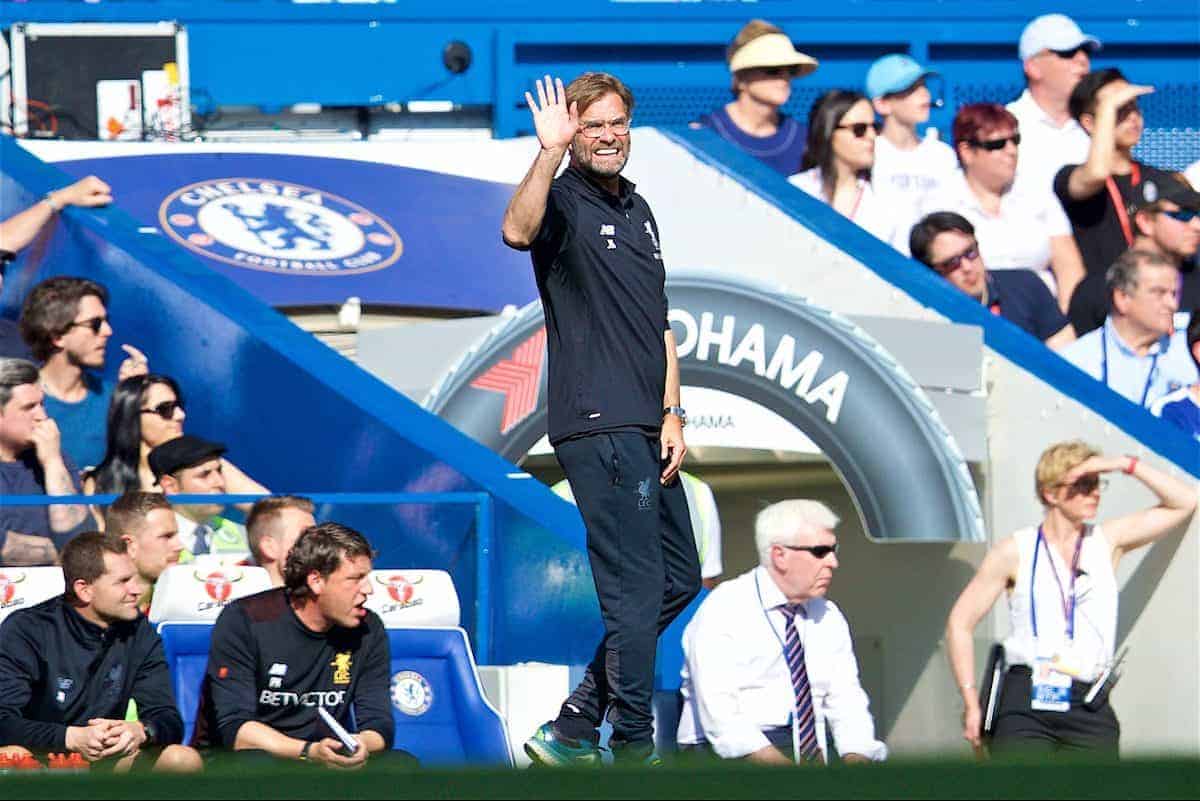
(1055, 54)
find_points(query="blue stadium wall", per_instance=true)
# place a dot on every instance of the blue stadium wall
(273, 54)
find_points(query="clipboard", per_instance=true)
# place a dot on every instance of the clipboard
(990, 688)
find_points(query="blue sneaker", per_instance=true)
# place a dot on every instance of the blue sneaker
(549, 748)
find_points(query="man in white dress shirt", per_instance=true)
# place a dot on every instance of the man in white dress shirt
(1055, 55)
(768, 661)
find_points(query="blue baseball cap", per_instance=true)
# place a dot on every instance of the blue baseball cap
(894, 73)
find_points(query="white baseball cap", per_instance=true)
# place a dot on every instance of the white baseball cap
(1054, 32)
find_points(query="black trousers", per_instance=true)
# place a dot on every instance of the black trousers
(645, 567)
(1022, 730)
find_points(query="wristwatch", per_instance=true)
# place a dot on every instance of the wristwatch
(678, 411)
(304, 751)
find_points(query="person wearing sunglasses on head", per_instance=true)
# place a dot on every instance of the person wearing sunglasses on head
(1017, 230)
(837, 162)
(768, 659)
(1166, 220)
(908, 164)
(64, 320)
(945, 242)
(763, 63)
(146, 411)
(1138, 353)
(1096, 194)
(1060, 582)
(1055, 54)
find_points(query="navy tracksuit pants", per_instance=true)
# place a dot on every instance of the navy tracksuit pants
(645, 567)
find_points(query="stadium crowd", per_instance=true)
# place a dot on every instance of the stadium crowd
(1037, 210)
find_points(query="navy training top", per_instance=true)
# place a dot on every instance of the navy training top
(1022, 298)
(599, 272)
(781, 151)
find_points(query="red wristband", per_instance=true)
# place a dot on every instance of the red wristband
(1133, 461)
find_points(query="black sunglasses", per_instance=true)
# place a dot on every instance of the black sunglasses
(819, 551)
(859, 129)
(166, 409)
(1086, 485)
(1183, 215)
(997, 144)
(1069, 53)
(95, 323)
(947, 266)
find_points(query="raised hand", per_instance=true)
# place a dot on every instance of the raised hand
(47, 441)
(136, 363)
(555, 123)
(87, 192)
(1118, 93)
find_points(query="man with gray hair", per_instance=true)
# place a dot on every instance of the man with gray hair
(1137, 352)
(32, 463)
(768, 660)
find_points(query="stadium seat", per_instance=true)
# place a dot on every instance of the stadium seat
(414, 598)
(441, 714)
(185, 646)
(200, 590)
(26, 586)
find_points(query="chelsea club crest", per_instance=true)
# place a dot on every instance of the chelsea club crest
(278, 227)
(411, 693)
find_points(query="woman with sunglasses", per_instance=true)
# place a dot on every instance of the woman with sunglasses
(837, 164)
(146, 411)
(1016, 229)
(763, 63)
(1061, 586)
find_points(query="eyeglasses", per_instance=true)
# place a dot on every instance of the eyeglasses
(819, 551)
(95, 323)
(859, 129)
(947, 266)
(1068, 54)
(1183, 215)
(166, 409)
(594, 129)
(996, 144)
(1086, 485)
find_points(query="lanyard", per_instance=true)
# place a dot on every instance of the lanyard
(1104, 365)
(1068, 607)
(1119, 202)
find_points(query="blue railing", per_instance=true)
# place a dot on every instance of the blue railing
(485, 535)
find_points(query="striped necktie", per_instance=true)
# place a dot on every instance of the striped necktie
(202, 544)
(807, 749)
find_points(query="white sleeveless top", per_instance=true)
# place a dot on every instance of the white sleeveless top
(1095, 604)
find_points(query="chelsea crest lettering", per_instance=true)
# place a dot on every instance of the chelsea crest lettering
(278, 227)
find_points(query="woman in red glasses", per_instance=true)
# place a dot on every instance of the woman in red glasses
(1060, 581)
(1018, 229)
(837, 164)
(146, 411)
